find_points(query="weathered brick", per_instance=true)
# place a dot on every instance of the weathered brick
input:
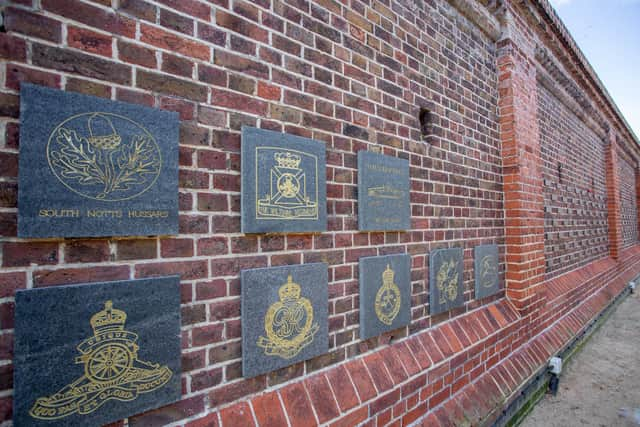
(173, 42)
(80, 63)
(170, 85)
(32, 24)
(92, 16)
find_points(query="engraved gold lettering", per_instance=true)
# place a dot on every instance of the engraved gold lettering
(148, 214)
(59, 213)
(384, 169)
(100, 213)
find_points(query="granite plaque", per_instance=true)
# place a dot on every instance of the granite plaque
(93, 167)
(385, 294)
(284, 316)
(91, 354)
(486, 263)
(283, 183)
(445, 280)
(383, 192)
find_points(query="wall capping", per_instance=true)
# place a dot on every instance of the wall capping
(554, 79)
(553, 30)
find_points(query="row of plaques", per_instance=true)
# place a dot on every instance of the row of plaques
(284, 309)
(88, 355)
(91, 167)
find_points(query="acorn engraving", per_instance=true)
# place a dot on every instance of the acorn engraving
(104, 156)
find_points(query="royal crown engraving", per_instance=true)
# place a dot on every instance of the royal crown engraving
(112, 370)
(288, 323)
(104, 156)
(388, 298)
(288, 194)
(447, 281)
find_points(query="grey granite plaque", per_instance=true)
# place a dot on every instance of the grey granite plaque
(383, 192)
(486, 263)
(91, 354)
(385, 294)
(94, 167)
(284, 316)
(283, 183)
(445, 280)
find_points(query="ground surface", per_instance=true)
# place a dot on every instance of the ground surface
(601, 380)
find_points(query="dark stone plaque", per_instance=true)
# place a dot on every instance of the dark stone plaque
(445, 280)
(94, 167)
(91, 354)
(486, 263)
(284, 316)
(283, 183)
(383, 192)
(385, 294)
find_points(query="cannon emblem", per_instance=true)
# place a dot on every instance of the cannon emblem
(112, 370)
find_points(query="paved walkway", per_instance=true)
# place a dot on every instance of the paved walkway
(601, 380)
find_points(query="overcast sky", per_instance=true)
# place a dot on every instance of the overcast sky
(608, 33)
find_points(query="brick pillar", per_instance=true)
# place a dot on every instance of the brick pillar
(523, 183)
(613, 198)
(638, 198)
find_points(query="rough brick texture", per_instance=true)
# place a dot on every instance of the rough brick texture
(575, 193)
(513, 149)
(628, 200)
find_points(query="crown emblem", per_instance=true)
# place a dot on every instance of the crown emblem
(109, 319)
(287, 160)
(289, 291)
(387, 276)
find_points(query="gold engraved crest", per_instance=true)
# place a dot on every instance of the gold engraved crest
(288, 323)
(447, 281)
(112, 370)
(289, 194)
(388, 298)
(104, 156)
(488, 271)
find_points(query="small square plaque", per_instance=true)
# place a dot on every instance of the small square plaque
(383, 192)
(284, 316)
(283, 183)
(385, 294)
(92, 354)
(486, 270)
(92, 167)
(445, 280)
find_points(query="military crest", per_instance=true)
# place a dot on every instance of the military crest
(385, 293)
(445, 280)
(289, 324)
(388, 298)
(283, 183)
(288, 195)
(284, 316)
(90, 156)
(112, 370)
(487, 273)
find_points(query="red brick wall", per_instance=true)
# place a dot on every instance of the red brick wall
(575, 193)
(628, 200)
(353, 74)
